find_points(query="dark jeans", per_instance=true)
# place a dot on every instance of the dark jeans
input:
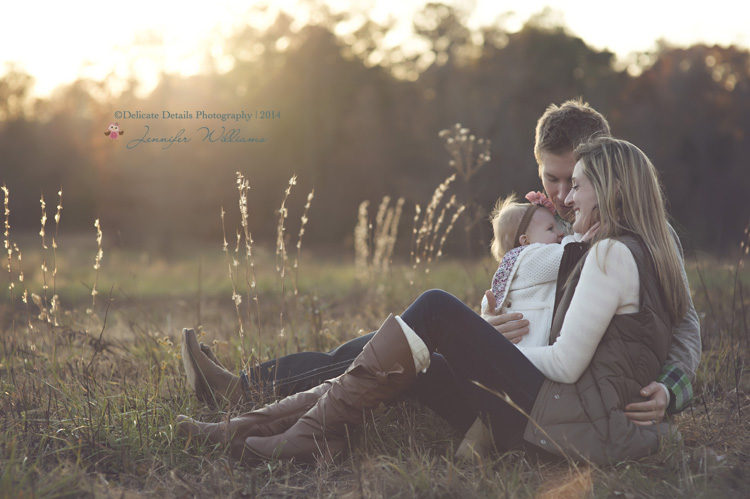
(465, 348)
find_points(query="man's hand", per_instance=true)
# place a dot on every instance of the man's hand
(589, 235)
(652, 411)
(512, 326)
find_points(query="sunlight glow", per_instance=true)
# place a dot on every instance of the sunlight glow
(144, 38)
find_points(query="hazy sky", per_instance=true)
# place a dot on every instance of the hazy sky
(58, 41)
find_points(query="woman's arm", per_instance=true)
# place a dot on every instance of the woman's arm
(608, 286)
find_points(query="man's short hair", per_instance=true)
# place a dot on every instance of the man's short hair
(561, 129)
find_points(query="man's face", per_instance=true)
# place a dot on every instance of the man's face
(557, 174)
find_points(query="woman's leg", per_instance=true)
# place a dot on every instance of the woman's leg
(439, 390)
(385, 369)
(475, 351)
(270, 420)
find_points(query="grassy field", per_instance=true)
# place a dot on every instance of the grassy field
(90, 392)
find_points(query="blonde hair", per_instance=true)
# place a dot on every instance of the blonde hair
(505, 218)
(631, 202)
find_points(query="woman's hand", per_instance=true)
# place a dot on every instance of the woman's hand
(512, 326)
(650, 412)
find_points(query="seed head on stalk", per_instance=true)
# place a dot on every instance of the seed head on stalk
(97, 263)
(8, 246)
(303, 222)
(281, 254)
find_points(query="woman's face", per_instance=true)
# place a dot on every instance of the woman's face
(582, 200)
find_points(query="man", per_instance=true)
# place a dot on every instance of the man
(559, 131)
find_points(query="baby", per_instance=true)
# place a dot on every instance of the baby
(527, 244)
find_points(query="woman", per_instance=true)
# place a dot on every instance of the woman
(610, 336)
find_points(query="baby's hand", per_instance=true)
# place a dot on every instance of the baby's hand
(488, 304)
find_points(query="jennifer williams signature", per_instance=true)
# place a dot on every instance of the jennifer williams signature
(205, 134)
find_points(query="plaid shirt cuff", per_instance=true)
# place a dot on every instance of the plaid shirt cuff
(679, 386)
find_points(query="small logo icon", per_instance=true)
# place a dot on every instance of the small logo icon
(114, 131)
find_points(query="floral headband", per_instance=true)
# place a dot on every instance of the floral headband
(537, 200)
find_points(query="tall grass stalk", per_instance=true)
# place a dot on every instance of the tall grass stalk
(281, 253)
(468, 155)
(362, 243)
(386, 233)
(251, 278)
(43, 302)
(739, 365)
(425, 250)
(374, 243)
(21, 279)
(97, 264)
(461, 144)
(8, 248)
(303, 222)
(232, 263)
(56, 299)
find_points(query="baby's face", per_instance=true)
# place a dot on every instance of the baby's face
(543, 228)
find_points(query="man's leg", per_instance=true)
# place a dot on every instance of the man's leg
(298, 372)
(294, 373)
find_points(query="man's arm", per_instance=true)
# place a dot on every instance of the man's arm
(678, 373)
(685, 350)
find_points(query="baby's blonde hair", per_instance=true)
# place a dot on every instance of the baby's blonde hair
(505, 218)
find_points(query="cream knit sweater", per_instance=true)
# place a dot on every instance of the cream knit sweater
(608, 286)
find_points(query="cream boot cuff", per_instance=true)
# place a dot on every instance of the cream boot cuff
(419, 350)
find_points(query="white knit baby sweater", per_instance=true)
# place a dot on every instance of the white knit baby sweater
(525, 282)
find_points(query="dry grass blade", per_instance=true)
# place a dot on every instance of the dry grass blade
(374, 245)
(281, 253)
(425, 247)
(509, 401)
(42, 303)
(303, 222)
(8, 245)
(231, 265)
(386, 233)
(361, 243)
(56, 299)
(97, 264)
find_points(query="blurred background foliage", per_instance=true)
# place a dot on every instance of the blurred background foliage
(359, 122)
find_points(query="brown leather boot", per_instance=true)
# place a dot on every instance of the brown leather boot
(270, 420)
(383, 370)
(477, 443)
(212, 382)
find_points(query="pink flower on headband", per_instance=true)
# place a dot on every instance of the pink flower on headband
(542, 200)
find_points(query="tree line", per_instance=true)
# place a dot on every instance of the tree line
(357, 122)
